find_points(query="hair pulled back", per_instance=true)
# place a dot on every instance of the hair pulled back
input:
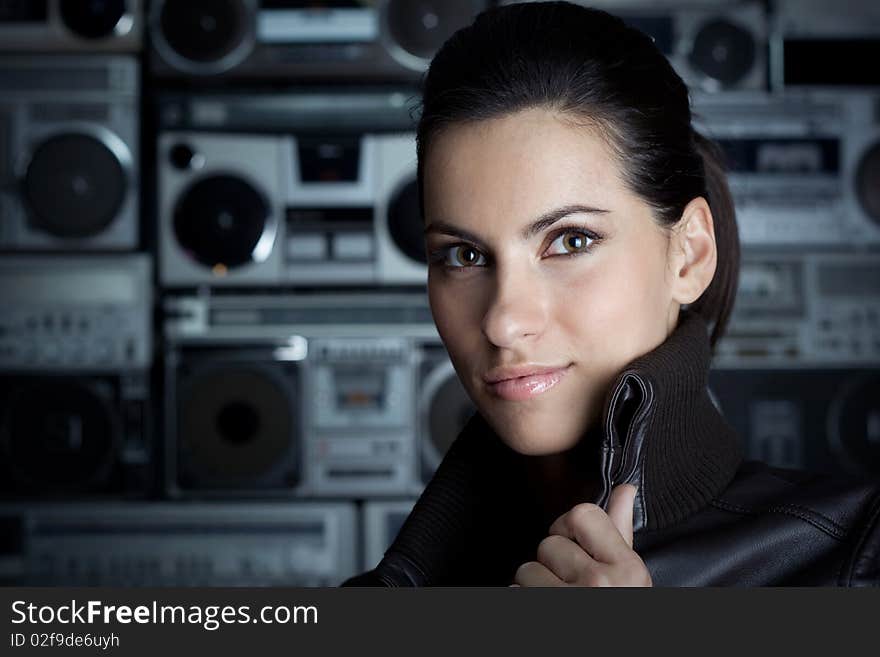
(589, 65)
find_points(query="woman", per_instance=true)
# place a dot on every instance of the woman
(583, 259)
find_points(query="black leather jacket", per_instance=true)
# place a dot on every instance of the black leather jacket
(702, 516)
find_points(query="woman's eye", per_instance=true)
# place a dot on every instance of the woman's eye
(572, 241)
(464, 256)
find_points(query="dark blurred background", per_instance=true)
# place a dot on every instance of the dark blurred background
(217, 363)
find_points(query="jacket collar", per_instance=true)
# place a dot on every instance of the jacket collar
(662, 432)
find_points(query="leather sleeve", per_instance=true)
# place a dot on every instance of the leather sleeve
(865, 569)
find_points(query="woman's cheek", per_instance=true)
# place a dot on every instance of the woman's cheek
(457, 298)
(447, 312)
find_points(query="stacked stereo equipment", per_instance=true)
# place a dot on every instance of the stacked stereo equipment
(301, 40)
(238, 179)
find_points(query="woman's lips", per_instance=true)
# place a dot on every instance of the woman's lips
(528, 386)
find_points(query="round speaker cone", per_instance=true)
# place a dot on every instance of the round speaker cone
(59, 436)
(203, 31)
(857, 418)
(723, 51)
(92, 19)
(219, 220)
(405, 224)
(420, 27)
(450, 410)
(235, 425)
(74, 186)
(868, 182)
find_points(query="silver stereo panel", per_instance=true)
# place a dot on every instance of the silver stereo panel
(325, 109)
(71, 25)
(804, 310)
(804, 169)
(359, 409)
(241, 39)
(381, 522)
(76, 312)
(228, 318)
(714, 46)
(173, 544)
(69, 155)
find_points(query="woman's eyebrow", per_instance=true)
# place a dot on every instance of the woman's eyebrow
(551, 217)
(541, 223)
(448, 229)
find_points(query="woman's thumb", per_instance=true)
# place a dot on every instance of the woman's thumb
(620, 510)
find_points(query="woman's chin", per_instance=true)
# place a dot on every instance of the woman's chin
(538, 441)
(538, 432)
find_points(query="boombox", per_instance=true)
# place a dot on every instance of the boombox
(289, 210)
(713, 46)
(304, 396)
(70, 25)
(172, 544)
(69, 153)
(75, 354)
(804, 168)
(302, 39)
(818, 43)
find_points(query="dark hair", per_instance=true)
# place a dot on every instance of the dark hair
(588, 64)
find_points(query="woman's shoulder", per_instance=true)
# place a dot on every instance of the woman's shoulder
(838, 500)
(774, 526)
(819, 508)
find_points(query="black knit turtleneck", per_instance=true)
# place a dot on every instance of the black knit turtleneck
(477, 520)
(682, 449)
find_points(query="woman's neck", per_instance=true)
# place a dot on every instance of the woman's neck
(557, 482)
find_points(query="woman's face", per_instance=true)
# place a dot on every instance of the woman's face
(539, 311)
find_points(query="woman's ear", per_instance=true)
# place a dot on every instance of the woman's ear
(694, 255)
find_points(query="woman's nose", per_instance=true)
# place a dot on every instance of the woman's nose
(516, 311)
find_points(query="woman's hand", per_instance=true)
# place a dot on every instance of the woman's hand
(587, 547)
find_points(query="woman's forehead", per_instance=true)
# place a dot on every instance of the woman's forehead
(519, 164)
